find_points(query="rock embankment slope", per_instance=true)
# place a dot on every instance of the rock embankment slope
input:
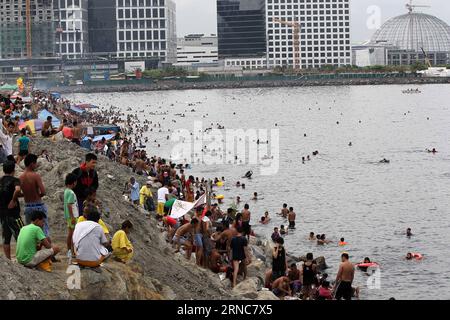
(154, 273)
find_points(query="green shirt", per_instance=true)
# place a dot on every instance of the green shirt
(24, 141)
(29, 238)
(169, 203)
(70, 199)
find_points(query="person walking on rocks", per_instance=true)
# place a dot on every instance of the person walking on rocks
(240, 257)
(86, 178)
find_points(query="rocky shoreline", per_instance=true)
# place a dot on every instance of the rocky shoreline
(178, 85)
(155, 271)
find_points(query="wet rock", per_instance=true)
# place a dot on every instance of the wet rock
(266, 295)
(247, 288)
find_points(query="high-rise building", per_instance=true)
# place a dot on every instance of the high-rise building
(324, 37)
(197, 49)
(146, 28)
(72, 38)
(13, 29)
(241, 28)
(102, 17)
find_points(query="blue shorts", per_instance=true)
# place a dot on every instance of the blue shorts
(30, 208)
(198, 240)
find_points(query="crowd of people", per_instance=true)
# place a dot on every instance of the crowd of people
(220, 240)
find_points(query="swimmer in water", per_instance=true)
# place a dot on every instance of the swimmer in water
(385, 161)
(283, 230)
(312, 237)
(342, 242)
(432, 151)
(408, 232)
(410, 256)
(255, 196)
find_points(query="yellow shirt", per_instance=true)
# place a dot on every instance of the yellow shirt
(143, 194)
(100, 222)
(120, 243)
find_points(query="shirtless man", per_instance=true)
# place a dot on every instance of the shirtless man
(344, 278)
(76, 133)
(47, 128)
(33, 190)
(281, 288)
(284, 211)
(246, 220)
(216, 264)
(180, 237)
(141, 167)
(291, 218)
(227, 235)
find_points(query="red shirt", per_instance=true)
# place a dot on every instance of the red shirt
(171, 221)
(67, 132)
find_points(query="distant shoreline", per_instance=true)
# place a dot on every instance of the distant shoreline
(177, 85)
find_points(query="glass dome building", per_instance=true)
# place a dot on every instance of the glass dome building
(408, 34)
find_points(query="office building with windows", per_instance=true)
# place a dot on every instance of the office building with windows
(72, 33)
(147, 28)
(241, 28)
(324, 35)
(13, 29)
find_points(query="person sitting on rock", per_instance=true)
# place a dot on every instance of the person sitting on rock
(294, 276)
(92, 201)
(121, 245)
(47, 128)
(281, 288)
(29, 251)
(89, 241)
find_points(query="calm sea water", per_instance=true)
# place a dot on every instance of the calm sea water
(344, 191)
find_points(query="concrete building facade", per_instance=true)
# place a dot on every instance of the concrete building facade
(197, 49)
(324, 32)
(13, 29)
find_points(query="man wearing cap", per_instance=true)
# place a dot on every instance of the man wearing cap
(146, 196)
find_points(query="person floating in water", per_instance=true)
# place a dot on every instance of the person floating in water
(248, 175)
(432, 151)
(408, 232)
(385, 160)
(342, 242)
(410, 256)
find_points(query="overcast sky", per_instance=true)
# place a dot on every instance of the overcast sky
(199, 16)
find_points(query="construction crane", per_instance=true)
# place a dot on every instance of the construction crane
(296, 40)
(410, 6)
(28, 28)
(427, 60)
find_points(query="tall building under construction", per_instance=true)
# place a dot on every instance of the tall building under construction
(13, 31)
